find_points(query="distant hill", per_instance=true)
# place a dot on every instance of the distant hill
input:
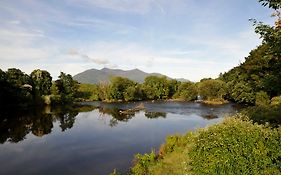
(95, 76)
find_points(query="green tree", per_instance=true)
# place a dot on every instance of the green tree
(187, 91)
(212, 89)
(67, 87)
(173, 87)
(156, 87)
(133, 93)
(122, 87)
(20, 87)
(261, 69)
(42, 82)
(103, 89)
(41, 85)
(274, 4)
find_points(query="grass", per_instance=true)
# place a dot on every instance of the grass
(173, 163)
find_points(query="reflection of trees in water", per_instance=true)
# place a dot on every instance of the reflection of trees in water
(209, 116)
(15, 124)
(120, 115)
(154, 115)
(116, 114)
(42, 125)
(66, 118)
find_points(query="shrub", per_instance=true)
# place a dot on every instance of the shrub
(236, 147)
(262, 98)
(174, 142)
(143, 162)
(264, 114)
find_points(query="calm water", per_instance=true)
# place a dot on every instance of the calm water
(94, 138)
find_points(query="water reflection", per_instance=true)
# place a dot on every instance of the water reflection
(16, 124)
(94, 138)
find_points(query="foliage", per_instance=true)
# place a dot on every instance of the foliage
(134, 93)
(142, 163)
(236, 147)
(20, 89)
(173, 87)
(15, 87)
(276, 100)
(187, 91)
(120, 88)
(104, 91)
(172, 143)
(89, 92)
(261, 69)
(42, 82)
(41, 85)
(242, 93)
(264, 114)
(156, 87)
(67, 87)
(262, 98)
(212, 89)
(275, 4)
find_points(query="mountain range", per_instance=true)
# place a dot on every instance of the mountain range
(95, 76)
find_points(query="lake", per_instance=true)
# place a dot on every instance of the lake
(94, 137)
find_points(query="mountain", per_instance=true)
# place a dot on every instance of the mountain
(94, 76)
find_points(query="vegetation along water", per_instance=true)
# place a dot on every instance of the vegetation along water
(55, 127)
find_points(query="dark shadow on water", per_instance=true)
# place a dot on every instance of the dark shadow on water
(15, 124)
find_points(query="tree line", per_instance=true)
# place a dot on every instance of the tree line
(20, 89)
(153, 88)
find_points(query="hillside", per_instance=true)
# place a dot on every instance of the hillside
(94, 76)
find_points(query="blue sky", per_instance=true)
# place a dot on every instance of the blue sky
(189, 39)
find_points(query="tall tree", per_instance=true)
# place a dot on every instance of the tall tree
(121, 87)
(67, 87)
(156, 87)
(42, 82)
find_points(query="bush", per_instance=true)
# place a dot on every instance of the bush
(262, 98)
(236, 147)
(264, 114)
(276, 100)
(143, 162)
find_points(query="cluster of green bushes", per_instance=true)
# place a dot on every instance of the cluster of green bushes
(18, 88)
(234, 146)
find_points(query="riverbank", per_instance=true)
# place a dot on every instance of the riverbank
(234, 146)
